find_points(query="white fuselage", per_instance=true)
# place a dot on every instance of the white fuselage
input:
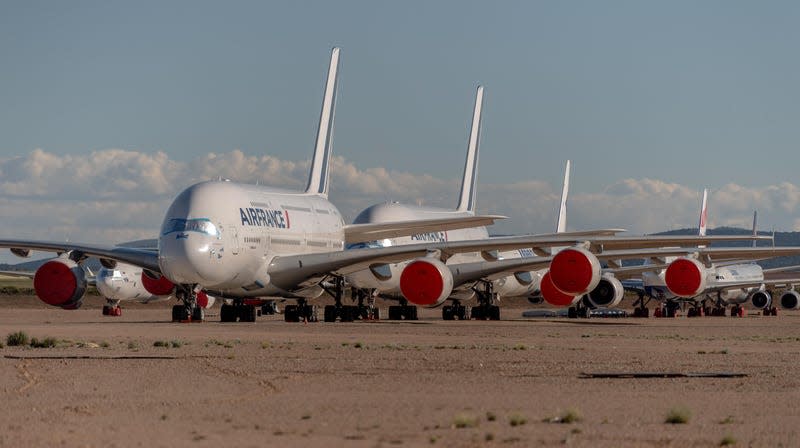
(221, 235)
(124, 283)
(716, 278)
(384, 278)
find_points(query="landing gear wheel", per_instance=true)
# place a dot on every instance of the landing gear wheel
(198, 315)
(179, 313)
(247, 313)
(106, 310)
(269, 308)
(291, 313)
(227, 313)
(448, 313)
(572, 312)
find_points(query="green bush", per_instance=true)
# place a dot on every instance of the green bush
(17, 338)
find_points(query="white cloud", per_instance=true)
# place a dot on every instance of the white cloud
(116, 195)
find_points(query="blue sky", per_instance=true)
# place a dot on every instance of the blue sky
(109, 101)
(699, 93)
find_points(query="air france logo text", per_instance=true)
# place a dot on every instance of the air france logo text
(264, 217)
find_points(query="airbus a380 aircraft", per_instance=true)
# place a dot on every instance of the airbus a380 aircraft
(236, 241)
(702, 281)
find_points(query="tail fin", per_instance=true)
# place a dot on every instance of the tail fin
(703, 214)
(755, 226)
(320, 165)
(561, 225)
(466, 203)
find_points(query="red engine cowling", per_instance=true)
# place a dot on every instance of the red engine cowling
(790, 300)
(575, 271)
(160, 286)
(686, 277)
(60, 282)
(426, 282)
(552, 295)
(608, 293)
(761, 299)
(204, 300)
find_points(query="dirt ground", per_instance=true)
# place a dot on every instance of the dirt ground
(383, 384)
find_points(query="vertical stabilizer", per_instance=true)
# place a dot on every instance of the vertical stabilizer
(561, 225)
(466, 203)
(703, 214)
(320, 164)
(755, 226)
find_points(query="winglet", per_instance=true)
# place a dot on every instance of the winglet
(466, 203)
(561, 225)
(320, 165)
(703, 214)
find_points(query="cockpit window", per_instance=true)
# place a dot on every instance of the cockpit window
(201, 225)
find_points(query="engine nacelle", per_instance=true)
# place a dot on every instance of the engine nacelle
(426, 282)
(60, 282)
(686, 277)
(761, 300)
(608, 293)
(553, 295)
(575, 271)
(157, 285)
(204, 300)
(520, 284)
(790, 300)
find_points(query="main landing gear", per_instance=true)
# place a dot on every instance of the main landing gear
(189, 311)
(239, 310)
(486, 309)
(404, 311)
(349, 313)
(111, 308)
(640, 306)
(455, 311)
(300, 312)
(580, 309)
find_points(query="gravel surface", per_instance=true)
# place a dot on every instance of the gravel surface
(511, 383)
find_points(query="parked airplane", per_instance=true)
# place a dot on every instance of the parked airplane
(237, 241)
(710, 287)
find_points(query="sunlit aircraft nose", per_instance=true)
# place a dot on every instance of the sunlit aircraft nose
(185, 258)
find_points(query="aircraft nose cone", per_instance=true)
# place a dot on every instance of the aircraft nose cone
(185, 258)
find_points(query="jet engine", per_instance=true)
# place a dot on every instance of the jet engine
(426, 282)
(205, 301)
(60, 282)
(686, 277)
(790, 300)
(761, 300)
(575, 271)
(553, 295)
(520, 284)
(608, 292)
(157, 285)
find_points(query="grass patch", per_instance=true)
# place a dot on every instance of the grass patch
(727, 420)
(727, 441)
(105, 344)
(465, 421)
(44, 343)
(132, 345)
(265, 345)
(176, 344)
(358, 345)
(17, 338)
(569, 416)
(305, 417)
(678, 416)
(490, 416)
(160, 344)
(517, 420)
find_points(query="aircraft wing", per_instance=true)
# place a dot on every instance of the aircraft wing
(753, 284)
(26, 274)
(358, 233)
(145, 258)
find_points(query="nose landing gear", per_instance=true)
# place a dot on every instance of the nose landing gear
(189, 311)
